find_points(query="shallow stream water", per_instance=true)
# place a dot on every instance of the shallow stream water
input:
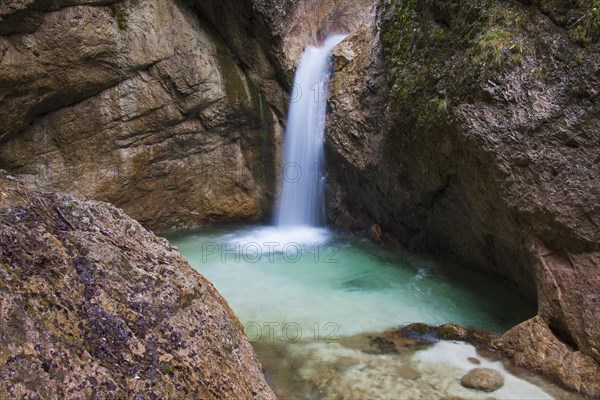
(307, 297)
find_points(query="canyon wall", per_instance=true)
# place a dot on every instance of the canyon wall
(472, 129)
(140, 104)
(469, 129)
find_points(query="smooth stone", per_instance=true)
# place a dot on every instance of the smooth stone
(474, 360)
(484, 379)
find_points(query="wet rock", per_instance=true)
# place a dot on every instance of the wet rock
(550, 357)
(474, 361)
(429, 333)
(375, 233)
(484, 379)
(95, 306)
(428, 138)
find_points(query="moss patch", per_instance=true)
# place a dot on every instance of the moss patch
(118, 15)
(234, 85)
(586, 29)
(438, 51)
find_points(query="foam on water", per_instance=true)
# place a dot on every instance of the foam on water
(276, 238)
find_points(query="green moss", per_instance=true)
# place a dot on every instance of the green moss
(442, 104)
(118, 15)
(497, 48)
(538, 72)
(169, 370)
(115, 214)
(586, 29)
(500, 43)
(438, 33)
(234, 85)
(265, 206)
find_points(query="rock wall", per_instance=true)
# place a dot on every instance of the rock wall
(465, 128)
(173, 111)
(472, 129)
(139, 104)
(94, 306)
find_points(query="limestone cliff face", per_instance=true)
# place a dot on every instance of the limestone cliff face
(137, 103)
(173, 111)
(95, 306)
(472, 129)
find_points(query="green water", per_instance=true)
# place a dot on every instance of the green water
(344, 284)
(305, 295)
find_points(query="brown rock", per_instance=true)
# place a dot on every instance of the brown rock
(484, 379)
(474, 361)
(93, 305)
(138, 104)
(491, 161)
(534, 346)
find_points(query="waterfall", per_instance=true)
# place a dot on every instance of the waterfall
(301, 201)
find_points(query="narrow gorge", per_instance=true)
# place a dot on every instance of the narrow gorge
(392, 199)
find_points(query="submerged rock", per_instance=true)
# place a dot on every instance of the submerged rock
(95, 306)
(485, 379)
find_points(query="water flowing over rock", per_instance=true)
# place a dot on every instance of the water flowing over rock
(95, 306)
(301, 200)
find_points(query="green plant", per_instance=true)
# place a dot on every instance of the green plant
(118, 15)
(497, 47)
(442, 104)
(169, 370)
(586, 29)
(438, 33)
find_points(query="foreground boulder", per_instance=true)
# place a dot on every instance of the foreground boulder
(94, 306)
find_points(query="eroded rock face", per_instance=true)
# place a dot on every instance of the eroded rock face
(138, 104)
(533, 345)
(93, 305)
(472, 130)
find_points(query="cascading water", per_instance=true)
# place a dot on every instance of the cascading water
(301, 199)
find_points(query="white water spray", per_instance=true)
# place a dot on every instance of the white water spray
(301, 201)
